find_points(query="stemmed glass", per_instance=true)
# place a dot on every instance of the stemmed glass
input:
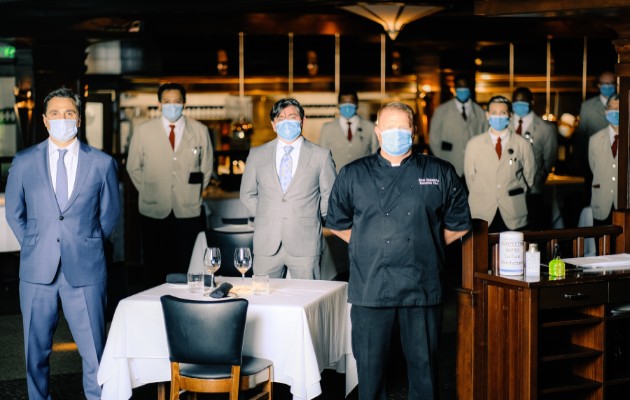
(242, 261)
(212, 261)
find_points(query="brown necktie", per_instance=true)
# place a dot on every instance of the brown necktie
(349, 131)
(171, 136)
(464, 113)
(519, 129)
(614, 146)
(498, 147)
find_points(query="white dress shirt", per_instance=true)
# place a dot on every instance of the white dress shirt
(71, 161)
(179, 129)
(295, 153)
(354, 124)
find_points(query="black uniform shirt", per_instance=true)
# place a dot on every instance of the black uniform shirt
(397, 216)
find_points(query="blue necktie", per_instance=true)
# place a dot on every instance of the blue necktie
(286, 168)
(62, 181)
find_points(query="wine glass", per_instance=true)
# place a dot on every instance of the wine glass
(242, 261)
(212, 261)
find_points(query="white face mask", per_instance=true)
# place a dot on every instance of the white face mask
(63, 129)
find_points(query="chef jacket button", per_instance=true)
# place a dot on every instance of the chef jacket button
(387, 214)
(387, 241)
(409, 213)
(382, 188)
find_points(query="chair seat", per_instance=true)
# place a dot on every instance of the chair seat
(250, 366)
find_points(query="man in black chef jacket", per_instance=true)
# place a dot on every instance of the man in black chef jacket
(398, 211)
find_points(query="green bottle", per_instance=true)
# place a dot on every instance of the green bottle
(556, 265)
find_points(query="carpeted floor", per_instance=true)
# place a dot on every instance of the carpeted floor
(66, 384)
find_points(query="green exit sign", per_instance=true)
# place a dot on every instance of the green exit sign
(7, 51)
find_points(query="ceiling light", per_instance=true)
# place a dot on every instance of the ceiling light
(392, 16)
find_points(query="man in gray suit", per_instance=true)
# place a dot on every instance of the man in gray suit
(350, 136)
(62, 203)
(170, 162)
(285, 186)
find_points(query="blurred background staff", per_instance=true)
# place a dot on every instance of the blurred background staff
(454, 123)
(543, 137)
(170, 163)
(349, 136)
(592, 119)
(602, 159)
(500, 167)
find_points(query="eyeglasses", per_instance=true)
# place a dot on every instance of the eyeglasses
(290, 117)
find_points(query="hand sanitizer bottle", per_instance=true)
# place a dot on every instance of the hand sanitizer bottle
(532, 260)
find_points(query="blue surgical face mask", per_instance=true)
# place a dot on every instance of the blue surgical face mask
(607, 89)
(462, 94)
(396, 142)
(613, 117)
(521, 108)
(63, 129)
(499, 122)
(288, 129)
(172, 111)
(347, 110)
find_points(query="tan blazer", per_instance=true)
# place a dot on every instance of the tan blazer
(293, 219)
(604, 167)
(364, 141)
(161, 175)
(502, 184)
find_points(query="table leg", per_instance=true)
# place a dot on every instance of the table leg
(161, 389)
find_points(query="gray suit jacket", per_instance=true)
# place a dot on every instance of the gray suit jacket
(592, 120)
(75, 235)
(604, 167)
(491, 180)
(293, 219)
(364, 141)
(449, 133)
(543, 137)
(161, 175)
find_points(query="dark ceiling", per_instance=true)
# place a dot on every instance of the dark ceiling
(26, 21)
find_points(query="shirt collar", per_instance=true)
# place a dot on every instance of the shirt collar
(296, 145)
(73, 148)
(178, 124)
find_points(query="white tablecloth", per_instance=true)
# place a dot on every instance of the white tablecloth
(302, 326)
(8, 242)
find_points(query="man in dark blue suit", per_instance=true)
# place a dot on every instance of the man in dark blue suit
(62, 203)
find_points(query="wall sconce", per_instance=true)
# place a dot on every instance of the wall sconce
(392, 16)
(311, 62)
(222, 62)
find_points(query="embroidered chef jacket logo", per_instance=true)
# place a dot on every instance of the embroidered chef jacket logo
(428, 181)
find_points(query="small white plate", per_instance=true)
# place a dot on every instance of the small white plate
(178, 285)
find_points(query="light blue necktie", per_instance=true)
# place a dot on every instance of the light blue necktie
(62, 181)
(286, 168)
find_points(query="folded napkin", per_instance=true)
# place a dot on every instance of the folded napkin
(182, 278)
(221, 291)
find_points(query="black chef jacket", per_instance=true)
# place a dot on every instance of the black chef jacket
(397, 216)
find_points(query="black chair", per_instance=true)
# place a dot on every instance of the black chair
(199, 364)
(228, 242)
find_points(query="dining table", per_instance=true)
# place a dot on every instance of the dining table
(302, 326)
(8, 241)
